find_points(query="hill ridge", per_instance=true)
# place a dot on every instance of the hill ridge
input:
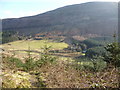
(91, 17)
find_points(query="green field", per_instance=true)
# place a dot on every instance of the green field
(33, 45)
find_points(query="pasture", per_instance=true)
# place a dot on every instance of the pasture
(33, 45)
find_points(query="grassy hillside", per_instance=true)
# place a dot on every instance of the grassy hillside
(33, 45)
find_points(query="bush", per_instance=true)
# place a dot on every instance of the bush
(29, 64)
(16, 61)
(99, 63)
(44, 60)
(84, 63)
(113, 55)
(11, 62)
(96, 51)
(91, 64)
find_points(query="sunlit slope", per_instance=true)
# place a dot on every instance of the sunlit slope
(34, 45)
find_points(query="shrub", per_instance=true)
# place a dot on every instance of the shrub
(84, 63)
(96, 51)
(29, 64)
(11, 63)
(16, 61)
(45, 57)
(44, 60)
(113, 55)
(99, 63)
(91, 64)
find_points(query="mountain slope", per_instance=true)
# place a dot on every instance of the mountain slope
(93, 17)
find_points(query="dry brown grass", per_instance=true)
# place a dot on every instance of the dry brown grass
(64, 76)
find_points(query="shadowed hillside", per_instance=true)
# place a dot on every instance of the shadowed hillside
(93, 17)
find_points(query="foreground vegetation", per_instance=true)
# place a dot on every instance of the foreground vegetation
(97, 69)
(60, 74)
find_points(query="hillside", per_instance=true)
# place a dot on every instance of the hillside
(93, 17)
(69, 47)
(25, 69)
(33, 65)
